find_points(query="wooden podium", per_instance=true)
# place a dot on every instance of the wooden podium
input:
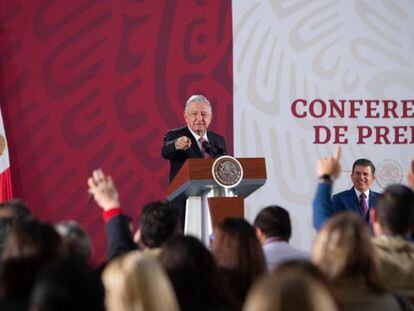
(207, 202)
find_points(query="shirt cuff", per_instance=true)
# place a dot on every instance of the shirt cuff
(108, 214)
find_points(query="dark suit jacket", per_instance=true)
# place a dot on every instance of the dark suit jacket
(347, 200)
(119, 235)
(178, 157)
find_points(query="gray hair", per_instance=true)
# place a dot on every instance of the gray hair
(197, 98)
(75, 238)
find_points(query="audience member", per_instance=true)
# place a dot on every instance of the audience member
(359, 199)
(75, 240)
(392, 219)
(136, 281)
(11, 212)
(307, 267)
(105, 194)
(344, 252)
(14, 208)
(239, 255)
(291, 287)
(158, 221)
(273, 230)
(194, 275)
(327, 169)
(67, 285)
(29, 245)
(6, 224)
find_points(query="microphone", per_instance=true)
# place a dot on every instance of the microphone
(221, 151)
(212, 150)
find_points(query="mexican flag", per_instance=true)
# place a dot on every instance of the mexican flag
(5, 178)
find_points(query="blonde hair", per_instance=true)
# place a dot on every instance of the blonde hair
(343, 249)
(136, 281)
(289, 290)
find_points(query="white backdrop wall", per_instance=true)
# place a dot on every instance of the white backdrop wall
(338, 50)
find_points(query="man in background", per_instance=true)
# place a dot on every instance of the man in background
(11, 213)
(392, 219)
(273, 230)
(359, 199)
(157, 223)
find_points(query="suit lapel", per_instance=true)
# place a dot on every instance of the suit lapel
(210, 139)
(355, 201)
(372, 198)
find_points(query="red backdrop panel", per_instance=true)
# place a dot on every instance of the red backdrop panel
(88, 84)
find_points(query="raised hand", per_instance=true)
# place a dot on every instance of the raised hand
(330, 165)
(103, 190)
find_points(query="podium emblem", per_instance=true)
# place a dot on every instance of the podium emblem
(227, 171)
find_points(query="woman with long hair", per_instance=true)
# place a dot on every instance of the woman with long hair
(194, 275)
(238, 255)
(293, 286)
(344, 252)
(137, 281)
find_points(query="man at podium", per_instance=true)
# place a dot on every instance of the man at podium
(192, 141)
